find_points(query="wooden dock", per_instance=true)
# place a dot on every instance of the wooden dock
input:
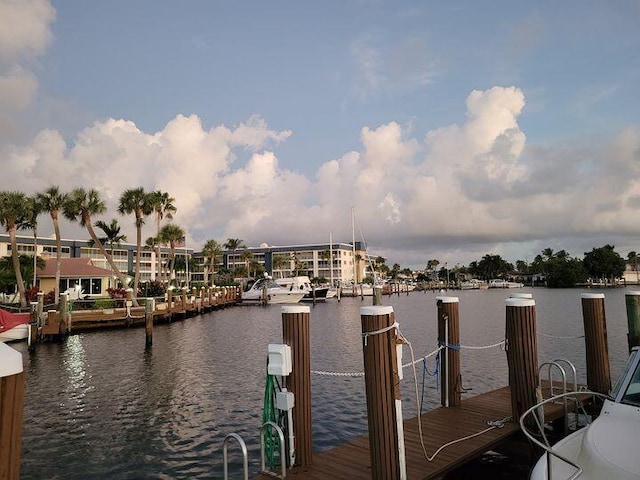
(440, 426)
(174, 307)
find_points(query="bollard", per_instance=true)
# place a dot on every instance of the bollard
(377, 294)
(184, 300)
(11, 411)
(449, 336)
(522, 354)
(632, 300)
(595, 340)
(296, 334)
(65, 315)
(149, 307)
(382, 385)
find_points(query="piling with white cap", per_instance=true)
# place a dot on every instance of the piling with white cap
(595, 342)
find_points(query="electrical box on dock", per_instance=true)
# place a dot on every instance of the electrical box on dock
(279, 361)
(284, 400)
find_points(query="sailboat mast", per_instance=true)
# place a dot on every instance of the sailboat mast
(331, 258)
(353, 243)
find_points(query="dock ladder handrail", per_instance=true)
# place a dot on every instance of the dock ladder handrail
(245, 461)
(546, 446)
(557, 364)
(283, 459)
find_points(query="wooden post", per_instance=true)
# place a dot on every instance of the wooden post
(632, 299)
(449, 336)
(33, 326)
(522, 354)
(40, 310)
(595, 342)
(149, 307)
(65, 316)
(11, 409)
(169, 299)
(377, 294)
(382, 385)
(295, 333)
(184, 300)
(128, 303)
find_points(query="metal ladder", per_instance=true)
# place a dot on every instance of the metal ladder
(263, 462)
(558, 365)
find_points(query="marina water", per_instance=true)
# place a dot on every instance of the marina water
(98, 405)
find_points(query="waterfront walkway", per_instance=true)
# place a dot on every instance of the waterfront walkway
(440, 426)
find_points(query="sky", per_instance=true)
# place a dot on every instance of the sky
(451, 129)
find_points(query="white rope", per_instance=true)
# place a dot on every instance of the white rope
(492, 424)
(470, 347)
(338, 374)
(562, 338)
(422, 358)
(366, 335)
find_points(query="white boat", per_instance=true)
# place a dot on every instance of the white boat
(473, 284)
(13, 326)
(605, 449)
(500, 283)
(265, 290)
(302, 283)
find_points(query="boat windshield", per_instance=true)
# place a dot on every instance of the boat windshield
(627, 389)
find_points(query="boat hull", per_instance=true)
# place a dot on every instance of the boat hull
(19, 332)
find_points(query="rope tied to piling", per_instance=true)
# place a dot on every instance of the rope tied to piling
(561, 337)
(366, 335)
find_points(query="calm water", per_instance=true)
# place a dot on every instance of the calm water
(99, 406)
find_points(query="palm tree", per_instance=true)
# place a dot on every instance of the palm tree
(173, 235)
(138, 202)
(233, 244)
(211, 250)
(112, 235)
(247, 256)
(79, 207)
(13, 212)
(162, 205)
(34, 208)
(279, 260)
(53, 201)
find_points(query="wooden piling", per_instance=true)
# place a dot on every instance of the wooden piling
(632, 300)
(377, 294)
(65, 317)
(522, 353)
(184, 300)
(33, 326)
(449, 336)
(382, 385)
(595, 340)
(296, 334)
(11, 412)
(149, 307)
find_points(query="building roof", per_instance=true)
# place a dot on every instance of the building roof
(72, 268)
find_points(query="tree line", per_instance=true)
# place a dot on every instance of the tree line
(558, 269)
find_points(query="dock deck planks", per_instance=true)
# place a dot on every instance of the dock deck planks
(441, 425)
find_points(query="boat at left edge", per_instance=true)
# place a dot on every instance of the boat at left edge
(13, 326)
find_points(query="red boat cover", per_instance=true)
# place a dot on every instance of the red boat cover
(9, 320)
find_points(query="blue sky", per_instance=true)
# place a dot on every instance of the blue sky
(455, 128)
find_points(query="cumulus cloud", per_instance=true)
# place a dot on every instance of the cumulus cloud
(475, 185)
(24, 35)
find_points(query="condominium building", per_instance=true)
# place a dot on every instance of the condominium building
(337, 262)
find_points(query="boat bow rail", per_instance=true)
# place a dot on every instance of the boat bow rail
(534, 412)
